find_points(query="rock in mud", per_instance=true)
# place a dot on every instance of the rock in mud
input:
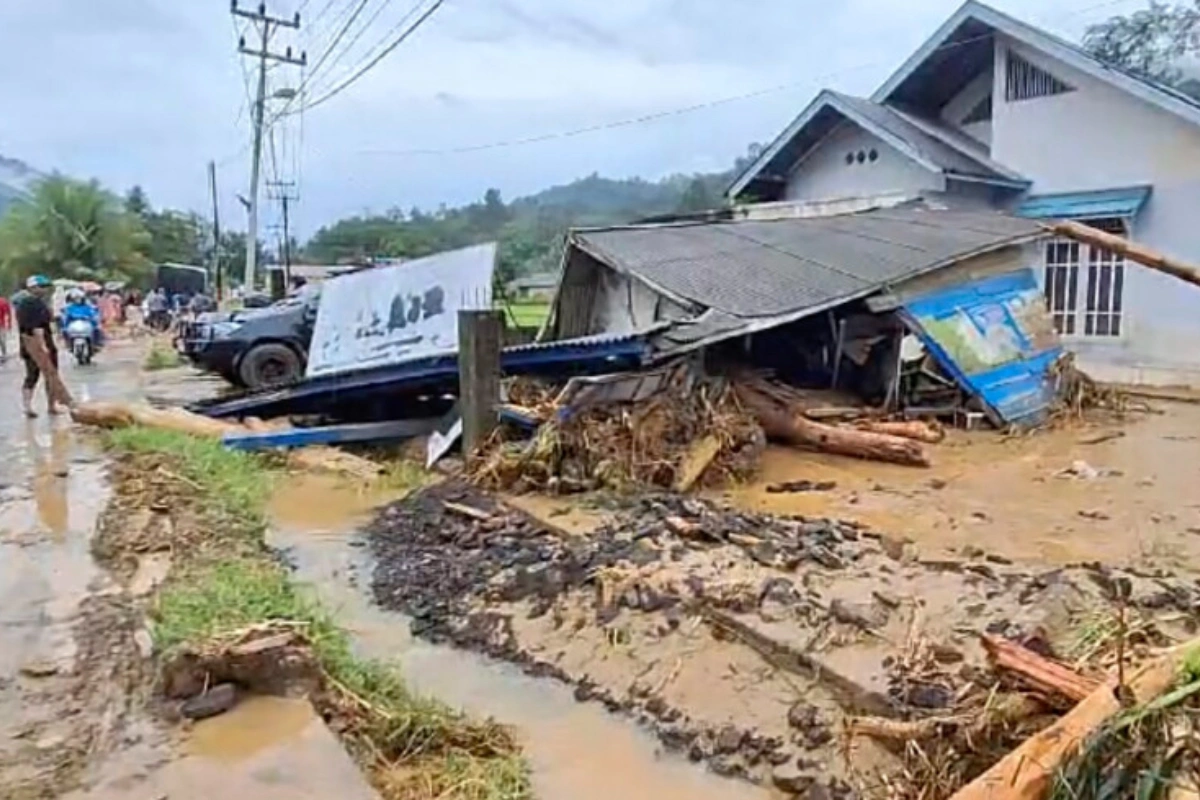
(216, 700)
(729, 740)
(792, 780)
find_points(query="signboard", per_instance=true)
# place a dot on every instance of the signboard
(388, 315)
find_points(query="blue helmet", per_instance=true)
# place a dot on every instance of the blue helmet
(38, 282)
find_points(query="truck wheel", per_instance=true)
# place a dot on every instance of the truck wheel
(269, 365)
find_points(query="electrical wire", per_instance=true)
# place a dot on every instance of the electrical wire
(335, 91)
(652, 117)
(350, 44)
(316, 70)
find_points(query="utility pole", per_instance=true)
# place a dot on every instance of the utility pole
(285, 193)
(212, 185)
(265, 25)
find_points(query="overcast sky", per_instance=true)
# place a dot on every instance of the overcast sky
(147, 91)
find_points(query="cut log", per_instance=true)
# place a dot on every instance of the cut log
(912, 429)
(794, 428)
(1028, 771)
(1049, 677)
(56, 390)
(1131, 250)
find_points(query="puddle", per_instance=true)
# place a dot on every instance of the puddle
(576, 751)
(254, 724)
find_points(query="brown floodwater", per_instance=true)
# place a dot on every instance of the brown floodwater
(1008, 494)
(576, 751)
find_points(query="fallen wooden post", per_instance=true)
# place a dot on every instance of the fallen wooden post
(785, 425)
(1028, 771)
(1131, 250)
(912, 429)
(1038, 671)
(697, 459)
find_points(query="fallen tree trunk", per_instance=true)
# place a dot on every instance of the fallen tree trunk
(912, 429)
(1132, 250)
(1027, 772)
(1038, 671)
(794, 428)
(315, 458)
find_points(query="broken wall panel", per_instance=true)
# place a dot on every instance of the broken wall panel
(995, 338)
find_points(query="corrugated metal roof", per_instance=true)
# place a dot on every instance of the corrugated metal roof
(1086, 205)
(755, 268)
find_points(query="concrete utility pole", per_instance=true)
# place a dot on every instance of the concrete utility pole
(217, 278)
(480, 337)
(285, 193)
(265, 25)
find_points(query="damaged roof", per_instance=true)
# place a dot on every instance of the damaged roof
(766, 268)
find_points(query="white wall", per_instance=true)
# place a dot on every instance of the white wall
(1100, 137)
(962, 104)
(825, 175)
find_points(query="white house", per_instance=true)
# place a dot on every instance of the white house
(993, 113)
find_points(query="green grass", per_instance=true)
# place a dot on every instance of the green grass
(527, 314)
(161, 357)
(436, 751)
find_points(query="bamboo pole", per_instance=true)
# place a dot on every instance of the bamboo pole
(1133, 251)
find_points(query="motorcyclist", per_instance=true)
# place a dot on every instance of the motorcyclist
(78, 307)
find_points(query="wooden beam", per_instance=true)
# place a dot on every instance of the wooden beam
(1133, 251)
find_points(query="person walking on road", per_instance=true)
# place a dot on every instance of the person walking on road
(5, 326)
(34, 319)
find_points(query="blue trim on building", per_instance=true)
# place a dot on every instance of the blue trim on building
(1126, 202)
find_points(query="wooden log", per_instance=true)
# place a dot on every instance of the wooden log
(695, 461)
(56, 390)
(1133, 251)
(1038, 671)
(912, 429)
(786, 426)
(1028, 771)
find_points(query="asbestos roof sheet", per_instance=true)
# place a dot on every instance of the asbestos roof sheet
(755, 268)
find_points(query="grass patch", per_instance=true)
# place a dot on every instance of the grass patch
(161, 356)
(413, 748)
(528, 314)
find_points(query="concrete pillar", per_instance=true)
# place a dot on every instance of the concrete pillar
(479, 336)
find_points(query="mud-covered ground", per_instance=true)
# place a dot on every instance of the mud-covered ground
(743, 640)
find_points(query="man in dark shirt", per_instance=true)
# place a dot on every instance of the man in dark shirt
(34, 319)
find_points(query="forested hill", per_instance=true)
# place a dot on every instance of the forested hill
(529, 229)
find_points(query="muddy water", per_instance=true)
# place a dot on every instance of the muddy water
(577, 751)
(1004, 494)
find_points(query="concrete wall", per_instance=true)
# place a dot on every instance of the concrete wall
(824, 174)
(1099, 137)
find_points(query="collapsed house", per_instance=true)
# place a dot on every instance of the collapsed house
(933, 311)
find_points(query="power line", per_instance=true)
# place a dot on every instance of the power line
(316, 70)
(623, 123)
(370, 52)
(335, 91)
(350, 44)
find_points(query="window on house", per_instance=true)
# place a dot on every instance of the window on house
(982, 112)
(1085, 285)
(1024, 81)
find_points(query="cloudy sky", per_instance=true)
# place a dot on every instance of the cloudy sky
(147, 91)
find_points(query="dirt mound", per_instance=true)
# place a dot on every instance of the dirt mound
(273, 658)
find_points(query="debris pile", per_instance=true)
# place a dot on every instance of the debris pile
(675, 606)
(688, 433)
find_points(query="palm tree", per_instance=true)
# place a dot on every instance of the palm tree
(72, 229)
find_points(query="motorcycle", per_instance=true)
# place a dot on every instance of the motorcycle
(81, 336)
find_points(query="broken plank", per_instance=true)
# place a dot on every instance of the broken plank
(1028, 771)
(695, 461)
(331, 434)
(464, 510)
(1038, 671)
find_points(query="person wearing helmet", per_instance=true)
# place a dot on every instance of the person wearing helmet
(34, 319)
(78, 306)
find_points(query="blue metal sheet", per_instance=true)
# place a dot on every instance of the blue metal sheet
(995, 338)
(1125, 202)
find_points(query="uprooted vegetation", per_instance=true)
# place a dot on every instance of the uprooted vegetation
(161, 356)
(229, 611)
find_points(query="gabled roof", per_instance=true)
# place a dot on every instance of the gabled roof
(926, 143)
(758, 269)
(946, 53)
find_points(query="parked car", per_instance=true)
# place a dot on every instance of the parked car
(254, 348)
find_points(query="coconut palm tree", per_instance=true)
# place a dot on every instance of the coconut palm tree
(72, 229)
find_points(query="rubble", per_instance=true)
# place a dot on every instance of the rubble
(675, 605)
